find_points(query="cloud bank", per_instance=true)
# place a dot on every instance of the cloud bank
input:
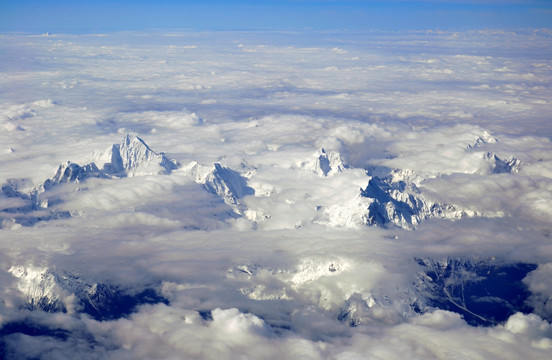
(332, 196)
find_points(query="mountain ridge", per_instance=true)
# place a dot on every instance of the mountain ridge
(132, 157)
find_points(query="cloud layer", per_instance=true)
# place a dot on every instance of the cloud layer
(258, 244)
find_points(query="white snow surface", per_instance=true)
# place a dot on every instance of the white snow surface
(328, 164)
(133, 157)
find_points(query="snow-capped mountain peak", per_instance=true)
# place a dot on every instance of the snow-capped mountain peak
(71, 172)
(392, 200)
(484, 138)
(229, 184)
(499, 166)
(40, 287)
(328, 164)
(133, 157)
(50, 290)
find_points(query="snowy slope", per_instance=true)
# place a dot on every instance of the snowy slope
(228, 184)
(48, 290)
(328, 164)
(389, 197)
(393, 200)
(132, 157)
(499, 166)
(484, 138)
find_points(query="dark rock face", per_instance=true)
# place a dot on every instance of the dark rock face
(401, 203)
(483, 292)
(102, 301)
(499, 166)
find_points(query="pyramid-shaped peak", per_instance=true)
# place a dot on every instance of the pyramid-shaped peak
(134, 140)
(131, 137)
(132, 143)
(133, 157)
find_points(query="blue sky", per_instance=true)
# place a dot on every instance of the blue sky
(94, 16)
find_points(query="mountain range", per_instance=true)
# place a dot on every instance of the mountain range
(392, 197)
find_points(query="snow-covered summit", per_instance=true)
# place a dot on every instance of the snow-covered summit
(499, 166)
(291, 280)
(328, 164)
(484, 138)
(70, 172)
(46, 289)
(133, 157)
(392, 200)
(229, 184)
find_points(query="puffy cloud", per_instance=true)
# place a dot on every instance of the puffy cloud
(281, 279)
(538, 282)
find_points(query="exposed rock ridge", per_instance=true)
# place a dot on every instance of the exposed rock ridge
(228, 184)
(392, 200)
(328, 164)
(53, 291)
(499, 166)
(132, 157)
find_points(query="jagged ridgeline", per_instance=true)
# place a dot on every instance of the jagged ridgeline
(132, 157)
(59, 291)
(484, 291)
(389, 198)
(392, 198)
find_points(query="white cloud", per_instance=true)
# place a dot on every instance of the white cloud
(288, 278)
(538, 282)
